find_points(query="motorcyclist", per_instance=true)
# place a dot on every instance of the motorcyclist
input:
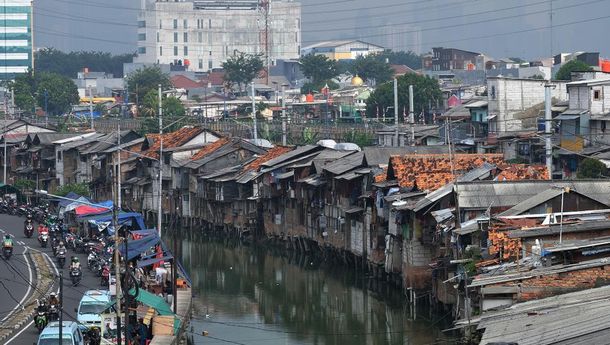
(42, 306)
(74, 263)
(7, 242)
(61, 246)
(42, 229)
(53, 300)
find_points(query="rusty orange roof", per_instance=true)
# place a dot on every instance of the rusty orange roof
(382, 176)
(432, 171)
(171, 140)
(209, 148)
(512, 172)
(271, 154)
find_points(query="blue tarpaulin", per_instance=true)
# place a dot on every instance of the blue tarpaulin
(138, 247)
(64, 202)
(145, 232)
(154, 260)
(124, 217)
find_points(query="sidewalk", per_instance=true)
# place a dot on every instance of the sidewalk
(184, 314)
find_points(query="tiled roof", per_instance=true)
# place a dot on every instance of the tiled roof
(514, 172)
(206, 150)
(430, 172)
(215, 78)
(382, 176)
(183, 82)
(271, 154)
(171, 140)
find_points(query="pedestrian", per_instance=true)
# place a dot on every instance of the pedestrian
(142, 331)
(160, 273)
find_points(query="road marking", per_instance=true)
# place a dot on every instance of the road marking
(21, 331)
(27, 293)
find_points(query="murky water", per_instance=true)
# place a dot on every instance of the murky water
(245, 295)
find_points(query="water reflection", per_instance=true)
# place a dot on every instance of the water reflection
(246, 295)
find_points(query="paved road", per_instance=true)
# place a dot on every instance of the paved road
(13, 275)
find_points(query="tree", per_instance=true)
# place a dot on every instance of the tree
(565, 72)
(56, 92)
(591, 168)
(172, 106)
(407, 58)
(78, 188)
(318, 68)
(147, 79)
(241, 69)
(310, 87)
(69, 64)
(425, 90)
(371, 67)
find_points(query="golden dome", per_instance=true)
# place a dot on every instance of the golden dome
(357, 81)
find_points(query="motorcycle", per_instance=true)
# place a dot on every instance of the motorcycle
(40, 320)
(43, 239)
(61, 257)
(70, 241)
(75, 274)
(91, 260)
(53, 313)
(7, 252)
(28, 231)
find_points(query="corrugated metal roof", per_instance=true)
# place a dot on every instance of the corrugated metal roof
(555, 229)
(345, 164)
(531, 202)
(573, 245)
(482, 194)
(292, 154)
(572, 318)
(327, 156)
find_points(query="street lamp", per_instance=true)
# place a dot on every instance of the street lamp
(116, 258)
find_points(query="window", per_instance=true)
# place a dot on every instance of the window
(597, 95)
(142, 37)
(200, 37)
(141, 23)
(185, 23)
(186, 51)
(175, 23)
(160, 25)
(186, 37)
(210, 64)
(175, 51)
(209, 23)
(141, 50)
(160, 51)
(200, 63)
(175, 37)
(157, 37)
(59, 155)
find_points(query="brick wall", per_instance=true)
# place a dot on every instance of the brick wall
(556, 284)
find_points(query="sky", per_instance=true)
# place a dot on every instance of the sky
(498, 28)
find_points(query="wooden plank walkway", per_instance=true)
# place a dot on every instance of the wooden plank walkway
(184, 314)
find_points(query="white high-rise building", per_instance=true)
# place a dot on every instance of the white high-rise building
(203, 34)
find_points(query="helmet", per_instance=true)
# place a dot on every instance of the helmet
(7, 237)
(53, 295)
(61, 243)
(74, 259)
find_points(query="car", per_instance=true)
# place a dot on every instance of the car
(92, 304)
(71, 334)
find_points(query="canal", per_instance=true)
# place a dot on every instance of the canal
(245, 295)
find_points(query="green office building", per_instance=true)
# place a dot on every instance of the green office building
(15, 38)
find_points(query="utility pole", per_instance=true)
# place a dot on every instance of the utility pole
(265, 7)
(283, 116)
(117, 261)
(159, 216)
(254, 129)
(61, 305)
(91, 106)
(5, 151)
(411, 115)
(548, 118)
(396, 138)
